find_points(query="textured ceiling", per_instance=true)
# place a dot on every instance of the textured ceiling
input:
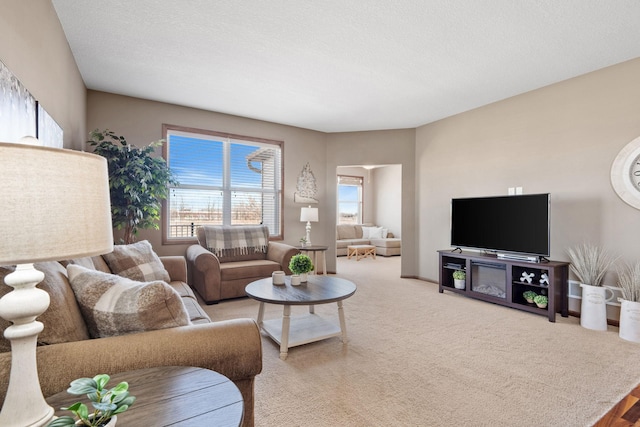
(336, 65)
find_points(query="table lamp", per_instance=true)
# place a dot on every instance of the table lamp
(309, 215)
(56, 207)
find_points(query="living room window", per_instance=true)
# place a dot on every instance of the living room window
(223, 179)
(350, 199)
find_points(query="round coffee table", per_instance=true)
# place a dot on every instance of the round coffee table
(172, 396)
(307, 328)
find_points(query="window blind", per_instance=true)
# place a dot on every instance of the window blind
(222, 180)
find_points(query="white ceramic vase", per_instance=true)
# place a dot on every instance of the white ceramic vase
(629, 320)
(295, 280)
(303, 277)
(278, 277)
(459, 283)
(593, 309)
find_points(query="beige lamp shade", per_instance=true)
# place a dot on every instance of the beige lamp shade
(55, 204)
(309, 214)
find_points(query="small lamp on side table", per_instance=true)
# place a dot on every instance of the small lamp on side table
(309, 215)
(57, 207)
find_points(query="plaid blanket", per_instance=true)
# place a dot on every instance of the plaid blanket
(227, 241)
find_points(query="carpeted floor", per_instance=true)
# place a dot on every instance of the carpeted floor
(419, 358)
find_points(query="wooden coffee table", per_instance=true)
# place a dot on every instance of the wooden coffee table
(361, 251)
(290, 332)
(172, 396)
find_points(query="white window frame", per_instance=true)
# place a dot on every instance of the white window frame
(276, 230)
(355, 181)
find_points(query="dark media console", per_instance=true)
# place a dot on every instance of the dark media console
(503, 281)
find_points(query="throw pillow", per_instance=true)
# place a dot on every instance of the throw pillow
(63, 321)
(136, 261)
(346, 231)
(375, 232)
(112, 305)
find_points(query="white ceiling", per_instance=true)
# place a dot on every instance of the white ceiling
(337, 65)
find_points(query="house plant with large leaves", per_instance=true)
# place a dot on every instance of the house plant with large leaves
(138, 182)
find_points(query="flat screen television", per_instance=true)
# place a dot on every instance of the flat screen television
(518, 225)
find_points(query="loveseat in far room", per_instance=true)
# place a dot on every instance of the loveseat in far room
(384, 241)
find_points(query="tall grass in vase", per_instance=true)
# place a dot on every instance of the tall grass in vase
(590, 263)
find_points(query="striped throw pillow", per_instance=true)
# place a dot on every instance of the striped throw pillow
(136, 261)
(112, 305)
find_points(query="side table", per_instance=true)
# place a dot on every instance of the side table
(315, 250)
(172, 395)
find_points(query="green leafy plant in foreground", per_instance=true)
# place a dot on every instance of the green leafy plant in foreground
(459, 275)
(300, 264)
(106, 402)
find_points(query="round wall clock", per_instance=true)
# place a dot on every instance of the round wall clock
(625, 173)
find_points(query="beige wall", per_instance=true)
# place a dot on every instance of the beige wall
(559, 139)
(140, 122)
(388, 200)
(33, 46)
(377, 148)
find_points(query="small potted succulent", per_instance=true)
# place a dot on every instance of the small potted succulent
(529, 296)
(300, 265)
(107, 403)
(459, 279)
(541, 301)
(303, 241)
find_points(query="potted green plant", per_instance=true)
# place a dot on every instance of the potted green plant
(301, 264)
(590, 263)
(107, 403)
(137, 182)
(529, 296)
(629, 284)
(541, 301)
(303, 241)
(459, 277)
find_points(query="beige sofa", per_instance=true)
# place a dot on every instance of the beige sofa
(218, 278)
(349, 235)
(66, 352)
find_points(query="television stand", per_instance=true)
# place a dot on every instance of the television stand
(503, 281)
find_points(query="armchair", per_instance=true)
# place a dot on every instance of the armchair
(224, 274)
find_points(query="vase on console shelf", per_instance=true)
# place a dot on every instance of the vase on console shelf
(541, 301)
(459, 279)
(590, 263)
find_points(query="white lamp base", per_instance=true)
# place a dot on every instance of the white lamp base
(308, 228)
(24, 404)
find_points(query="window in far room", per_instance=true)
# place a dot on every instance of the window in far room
(223, 179)
(350, 199)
